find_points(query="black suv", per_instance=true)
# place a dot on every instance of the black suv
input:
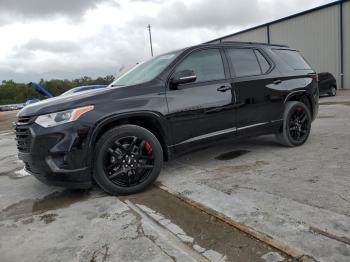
(120, 135)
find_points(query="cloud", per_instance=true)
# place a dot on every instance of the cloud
(179, 14)
(112, 33)
(50, 46)
(206, 14)
(46, 7)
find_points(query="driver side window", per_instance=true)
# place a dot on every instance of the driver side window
(207, 65)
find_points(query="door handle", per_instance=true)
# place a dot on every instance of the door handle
(277, 82)
(224, 88)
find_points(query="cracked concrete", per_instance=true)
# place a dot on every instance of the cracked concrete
(298, 196)
(119, 234)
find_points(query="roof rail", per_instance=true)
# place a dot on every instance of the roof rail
(249, 43)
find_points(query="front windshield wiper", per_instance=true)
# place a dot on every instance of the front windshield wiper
(116, 85)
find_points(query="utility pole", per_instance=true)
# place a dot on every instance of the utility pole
(150, 38)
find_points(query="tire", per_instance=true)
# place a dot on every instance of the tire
(122, 166)
(292, 125)
(333, 91)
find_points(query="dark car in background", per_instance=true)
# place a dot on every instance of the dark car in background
(173, 103)
(327, 84)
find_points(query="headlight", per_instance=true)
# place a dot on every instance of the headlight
(62, 117)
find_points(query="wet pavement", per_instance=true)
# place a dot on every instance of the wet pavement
(210, 205)
(207, 231)
(77, 221)
(296, 199)
(42, 223)
(6, 120)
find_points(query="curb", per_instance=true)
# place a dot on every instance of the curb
(245, 229)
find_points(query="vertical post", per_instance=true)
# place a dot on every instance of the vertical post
(268, 33)
(150, 38)
(341, 45)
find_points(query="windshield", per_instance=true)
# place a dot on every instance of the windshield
(145, 71)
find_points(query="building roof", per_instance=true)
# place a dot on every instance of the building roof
(281, 19)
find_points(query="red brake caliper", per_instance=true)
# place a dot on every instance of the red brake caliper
(148, 147)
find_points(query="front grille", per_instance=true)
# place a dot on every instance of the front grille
(23, 134)
(23, 120)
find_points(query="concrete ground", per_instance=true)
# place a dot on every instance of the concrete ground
(295, 199)
(42, 223)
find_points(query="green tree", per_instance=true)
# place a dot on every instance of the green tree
(12, 92)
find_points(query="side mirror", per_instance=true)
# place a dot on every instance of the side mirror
(183, 77)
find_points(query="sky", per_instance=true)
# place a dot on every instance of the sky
(68, 39)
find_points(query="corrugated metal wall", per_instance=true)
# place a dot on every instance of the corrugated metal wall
(346, 30)
(255, 35)
(316, 35)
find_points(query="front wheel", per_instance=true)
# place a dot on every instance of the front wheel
(296, 124)
(127, 160)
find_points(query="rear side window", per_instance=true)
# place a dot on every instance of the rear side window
(265, 66)
(244, 62)
(292, 58)
(207, 65)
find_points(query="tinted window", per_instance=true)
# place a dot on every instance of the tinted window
(244, 62)
(207, 65)
(146, 71)
(265, 66)
(292, 58)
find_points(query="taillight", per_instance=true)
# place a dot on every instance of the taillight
(314, 76)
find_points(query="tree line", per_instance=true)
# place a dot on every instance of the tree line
(14, 93)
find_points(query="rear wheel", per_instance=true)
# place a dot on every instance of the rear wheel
(333, 91)
(127, 160)
(296, 124)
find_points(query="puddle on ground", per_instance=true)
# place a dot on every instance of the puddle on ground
(48, 218)
(344, 103)
(51, 202)
(207, 231)
(240, 168)
(231, 155)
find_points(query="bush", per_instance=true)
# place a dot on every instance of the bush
(13, 93)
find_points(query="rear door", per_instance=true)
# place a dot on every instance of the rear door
(257, 86)
(204, 108)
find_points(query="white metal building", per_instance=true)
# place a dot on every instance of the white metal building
(322, 35)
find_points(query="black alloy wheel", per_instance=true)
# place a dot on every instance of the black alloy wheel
(333, 91)
(296, 124)
(127, 160)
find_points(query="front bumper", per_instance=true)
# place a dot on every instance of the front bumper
(51, 175)
(57, 155)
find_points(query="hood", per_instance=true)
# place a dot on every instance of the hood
(61, 103)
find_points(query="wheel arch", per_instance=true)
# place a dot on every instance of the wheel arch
(301, 96)
(153, 122)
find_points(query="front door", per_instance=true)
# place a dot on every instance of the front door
(204, 108)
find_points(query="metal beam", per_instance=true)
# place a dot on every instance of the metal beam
(268, 33)
(341, 45)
